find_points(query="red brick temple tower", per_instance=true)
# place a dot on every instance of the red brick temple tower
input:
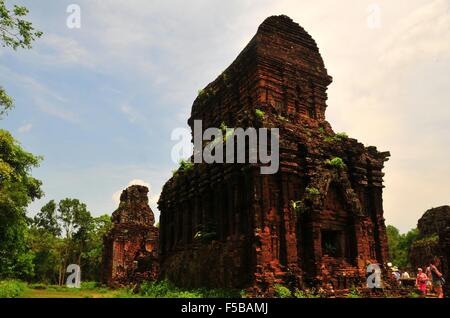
(317, 222)
(131, 247)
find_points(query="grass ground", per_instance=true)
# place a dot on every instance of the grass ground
(18, 289)
(66, 293)
(162, 289)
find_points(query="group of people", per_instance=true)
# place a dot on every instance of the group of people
(426, 281)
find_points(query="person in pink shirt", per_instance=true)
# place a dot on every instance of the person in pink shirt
(421, 281)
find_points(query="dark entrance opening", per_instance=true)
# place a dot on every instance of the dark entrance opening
(332, 243)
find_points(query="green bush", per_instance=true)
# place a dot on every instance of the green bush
(282, 291)
(313, 191)
(341, 136)
(259, 113)
(12, 288)
(353, 293)
(162, 289)
(125, 293)
(336, 138)
(222, 293)
(89, 285)
(414, 295)
(165, 289)
(328, 139)
(336, 163)
(305, 293)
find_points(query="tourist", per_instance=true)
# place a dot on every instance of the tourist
(436, 278)
(421, 281)
(396, 274)
(429, 283)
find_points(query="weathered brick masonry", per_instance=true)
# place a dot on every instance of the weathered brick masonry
(130, 253)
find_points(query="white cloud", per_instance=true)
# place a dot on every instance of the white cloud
(422, 34)
(65, 50)
(30, 83)
(56, 111)
(25, 128)
(129, 111)
(153, 199)
(45, 98)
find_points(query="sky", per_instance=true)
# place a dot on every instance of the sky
(100, 102)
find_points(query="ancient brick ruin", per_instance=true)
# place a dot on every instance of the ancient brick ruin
(318, 221)
(433, 241)
(131, 247)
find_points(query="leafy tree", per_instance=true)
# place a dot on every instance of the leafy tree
(47, 219)
(17, 189)
(400, 245)
(91, 256)
(74, 219)
(72, 235)
(15, 32)
(46, 248)
(73, 215)
(6, 102)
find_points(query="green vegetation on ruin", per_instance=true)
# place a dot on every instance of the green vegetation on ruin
(259, 113)
(201, 92)
(339, 137)
(282, 291)
(426, 241)
(313, 191)
(336, 162)
(185, 165)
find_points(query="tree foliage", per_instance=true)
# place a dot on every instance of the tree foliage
(400, 245)
(74, 237)
(47, 219)
(17, 189)
(6, 102)
(15, 32)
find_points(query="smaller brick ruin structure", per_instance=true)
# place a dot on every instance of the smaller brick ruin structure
(434, 242)
(131, 247)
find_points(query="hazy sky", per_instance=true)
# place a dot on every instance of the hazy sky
(100, 102)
